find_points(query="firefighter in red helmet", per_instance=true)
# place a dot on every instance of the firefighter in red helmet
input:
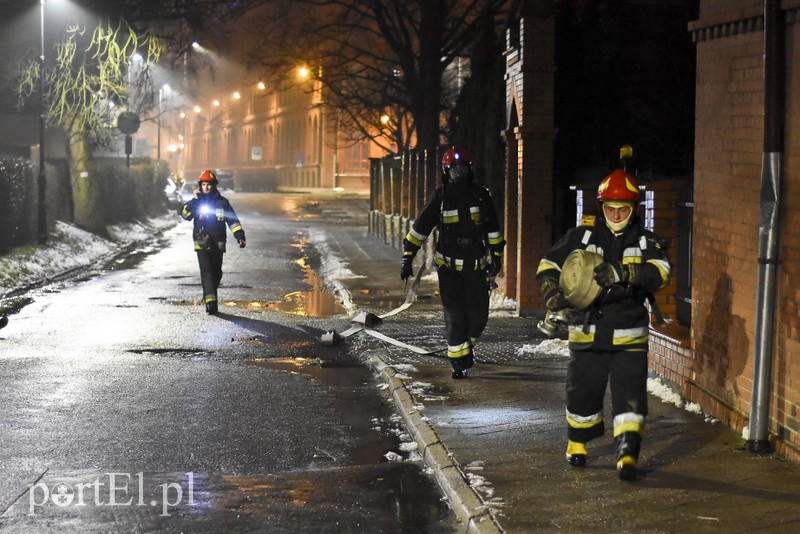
(608, 338)
(211, 212)
(469, 250)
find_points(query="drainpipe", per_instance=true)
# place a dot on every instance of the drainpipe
(771, 170)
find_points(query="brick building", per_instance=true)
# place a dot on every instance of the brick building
(710, 357)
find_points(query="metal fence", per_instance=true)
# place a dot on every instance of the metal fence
(399, 186)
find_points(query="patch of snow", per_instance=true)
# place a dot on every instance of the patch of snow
(500, 303)
(657, 388)
(409, 446)
(549, 347)
(69, 247)
(333, 267)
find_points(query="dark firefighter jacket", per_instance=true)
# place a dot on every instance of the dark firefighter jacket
(211, 212)
(467, 227)
(618, 319)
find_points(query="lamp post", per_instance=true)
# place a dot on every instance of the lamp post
(164, 89)
(42, 180)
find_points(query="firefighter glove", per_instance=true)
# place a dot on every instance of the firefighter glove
(609, 273)
(557, 302)
(242, 243)
(494, 267)
(554, 297)
(406, 268)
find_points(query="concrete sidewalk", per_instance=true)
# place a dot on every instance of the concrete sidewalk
(496, 441)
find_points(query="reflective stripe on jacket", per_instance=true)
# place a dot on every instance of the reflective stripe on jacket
(468, 227)
(619, 319)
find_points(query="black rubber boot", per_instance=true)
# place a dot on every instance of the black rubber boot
(576, 454)
(628, 445)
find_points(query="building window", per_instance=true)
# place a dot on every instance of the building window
(578, 205)
(357, 155)
(649, 209)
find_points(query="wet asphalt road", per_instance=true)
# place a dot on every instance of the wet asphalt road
(127, 409)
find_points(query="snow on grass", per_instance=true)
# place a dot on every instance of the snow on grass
(69, 247)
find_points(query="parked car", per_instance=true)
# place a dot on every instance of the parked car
(225, 178)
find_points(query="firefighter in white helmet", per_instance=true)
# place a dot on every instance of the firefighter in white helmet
(608, 339)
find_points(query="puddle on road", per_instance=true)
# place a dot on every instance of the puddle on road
(316, 302)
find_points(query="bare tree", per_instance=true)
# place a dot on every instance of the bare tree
(377, 58)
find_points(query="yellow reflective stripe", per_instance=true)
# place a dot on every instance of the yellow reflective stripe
(576, 334)
(458, 351)
(475, 213)
(220, 213)
(408, 253)
(450, 216)
(584, 421)
(545, 264)
(415, 237)
(236, 227)
(413, 240)
(628, 422)
(186, 211)
(632, 255)
(663, 269)
(631, 336)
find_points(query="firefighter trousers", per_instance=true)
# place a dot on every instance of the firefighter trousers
(465, 300)
(588, 374)
(210, 272)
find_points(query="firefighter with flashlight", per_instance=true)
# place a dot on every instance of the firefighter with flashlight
(603, 272)
(211, 212)
(469, 250)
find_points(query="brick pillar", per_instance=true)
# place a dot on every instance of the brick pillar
(508, 282)
(534, 213)
(535, 139)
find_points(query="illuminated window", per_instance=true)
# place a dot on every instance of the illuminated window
(579, 206)
(648, 207)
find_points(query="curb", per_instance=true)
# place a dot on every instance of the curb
(467, 504)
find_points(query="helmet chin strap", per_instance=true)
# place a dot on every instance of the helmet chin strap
(618, 227)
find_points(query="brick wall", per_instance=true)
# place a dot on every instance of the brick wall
(728, 156)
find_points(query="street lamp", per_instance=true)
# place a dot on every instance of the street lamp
(162, 91)
(42, 181)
